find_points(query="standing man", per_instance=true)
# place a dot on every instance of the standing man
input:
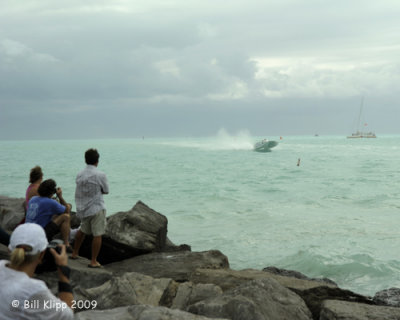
(91, 184)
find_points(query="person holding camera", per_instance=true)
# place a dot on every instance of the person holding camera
(52, 215)
(23, 297)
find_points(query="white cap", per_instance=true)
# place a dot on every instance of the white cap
(30, 234)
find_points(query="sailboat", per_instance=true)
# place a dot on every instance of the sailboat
(359, 133)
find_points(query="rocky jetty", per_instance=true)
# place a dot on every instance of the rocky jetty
(146, 276)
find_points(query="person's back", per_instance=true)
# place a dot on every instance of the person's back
(41, 209)
(50, 214)
(23, 297)
(90, 187)
(91, 184)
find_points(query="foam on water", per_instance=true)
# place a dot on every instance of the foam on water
(222, 141)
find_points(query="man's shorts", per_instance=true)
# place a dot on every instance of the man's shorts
(51, 229)
(95, 225)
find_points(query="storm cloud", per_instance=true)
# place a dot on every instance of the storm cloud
(73, 69)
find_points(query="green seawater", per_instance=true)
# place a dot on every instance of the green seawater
(336, 215)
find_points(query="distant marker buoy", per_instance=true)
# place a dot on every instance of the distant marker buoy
(298, 162)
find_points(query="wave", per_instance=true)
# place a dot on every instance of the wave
(356, 271)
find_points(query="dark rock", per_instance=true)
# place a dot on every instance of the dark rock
(388, 297)
(11, 212)
(4, 254)
(344, 310)
(141, 228)
(296, 274)
(81, 275)
(132, 233)
(314, 297)
(229, 279)
(175, 265)
(255, 300)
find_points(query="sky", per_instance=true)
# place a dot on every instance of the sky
(171, 68)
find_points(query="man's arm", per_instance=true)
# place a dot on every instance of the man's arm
(104, 184)
(65, 290)
(62, 201)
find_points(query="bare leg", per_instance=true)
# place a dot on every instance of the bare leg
(96, 246)
(80, 236)
(65, 228)
(63, 221)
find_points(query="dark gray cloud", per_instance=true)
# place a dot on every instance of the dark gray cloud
(111, 69)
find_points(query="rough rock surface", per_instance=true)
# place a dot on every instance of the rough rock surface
(132, 289)
(314, 297)
(228, 278)
(389, 297)
(140, 312)
(81, 275)
(11, 212)
(133, 233)
(141, 227)
(161, 279)
(175, 265)
(255, 300)
(296, 274)
(343, 310)
(189, 293)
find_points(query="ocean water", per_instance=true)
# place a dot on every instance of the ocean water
(336, 215)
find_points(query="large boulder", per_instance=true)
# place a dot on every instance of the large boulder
(130, 289)
(81, 275)
(139, 312)
(388, 297)
(189, 293)
(175, 265)
(343, 310)
(314, 297)
(296, 274)
(228, 279)
(141, 228)
(132, 233)
(255, 300)
(11, 212)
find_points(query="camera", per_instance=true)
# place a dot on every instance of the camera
(55, 245)
(48, 264)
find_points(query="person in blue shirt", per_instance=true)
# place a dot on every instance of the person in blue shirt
(53, 216)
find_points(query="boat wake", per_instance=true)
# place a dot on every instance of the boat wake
(221, 141)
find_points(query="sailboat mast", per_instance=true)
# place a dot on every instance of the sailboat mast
(359, 115)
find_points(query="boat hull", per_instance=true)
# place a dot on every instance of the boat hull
(362, 136)
(265, 146)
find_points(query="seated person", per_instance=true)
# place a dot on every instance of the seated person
(52, 215)
(23, 297)
(35, 179)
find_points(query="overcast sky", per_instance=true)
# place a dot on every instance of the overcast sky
(107, 69)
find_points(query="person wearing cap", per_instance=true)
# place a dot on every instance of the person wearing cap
(52, 215)
(91, 185)
(23, 297)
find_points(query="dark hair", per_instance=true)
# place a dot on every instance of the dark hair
(92, 156)
(47, 188)
(36, 174)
